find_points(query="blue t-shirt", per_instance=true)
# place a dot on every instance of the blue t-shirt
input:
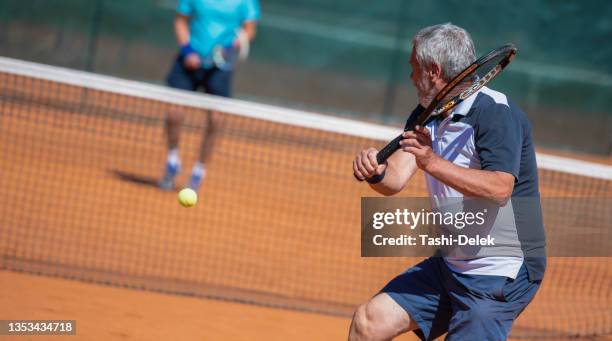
(215, 22)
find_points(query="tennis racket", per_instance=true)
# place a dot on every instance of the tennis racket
(227, 57)
(468, 82)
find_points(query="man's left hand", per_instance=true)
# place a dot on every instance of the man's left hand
(418, 143)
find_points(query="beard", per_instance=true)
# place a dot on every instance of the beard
(426, 90)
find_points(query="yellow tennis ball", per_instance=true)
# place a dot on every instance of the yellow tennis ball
(187, 197)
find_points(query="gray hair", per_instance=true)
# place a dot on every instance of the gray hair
(447, 45)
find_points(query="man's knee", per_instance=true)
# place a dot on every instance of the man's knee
(380, 319)
(174, 118)
(214, 121)
(362, 326)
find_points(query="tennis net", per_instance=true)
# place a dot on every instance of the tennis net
(278, 219)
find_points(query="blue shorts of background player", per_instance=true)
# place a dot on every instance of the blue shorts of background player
(211, 80)
(468, 307)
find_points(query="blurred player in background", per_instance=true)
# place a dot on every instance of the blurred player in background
(200, 27)
(481, 149)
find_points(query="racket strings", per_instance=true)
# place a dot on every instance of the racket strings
(225, 57)
(471, 83)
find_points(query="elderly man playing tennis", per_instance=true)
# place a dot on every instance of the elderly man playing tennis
(480, 149)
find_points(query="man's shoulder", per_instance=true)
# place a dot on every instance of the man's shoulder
(492, 106)
(487, 99)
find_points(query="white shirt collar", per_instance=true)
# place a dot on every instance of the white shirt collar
(464, 107)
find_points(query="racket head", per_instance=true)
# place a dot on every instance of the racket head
(465, 84)
(471, 79)
(227, 57)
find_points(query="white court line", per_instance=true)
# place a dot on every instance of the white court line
(255, 110)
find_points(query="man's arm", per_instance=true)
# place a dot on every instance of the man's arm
(398, 170)
(181, 29)
(493, 185)
(250, 15)
(250, 28)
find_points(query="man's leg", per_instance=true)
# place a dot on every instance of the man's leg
(179, 78)
(381, 318)
(216, 82)
(209, 137)
(415, 300)
(174, 122)
(213, 121)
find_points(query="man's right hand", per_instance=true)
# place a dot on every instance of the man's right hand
(192, 61)
(365, 165)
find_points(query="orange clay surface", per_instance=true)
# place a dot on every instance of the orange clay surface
(108, 313)
(279, 214)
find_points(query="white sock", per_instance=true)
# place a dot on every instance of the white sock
(199, 170)
(173, 156)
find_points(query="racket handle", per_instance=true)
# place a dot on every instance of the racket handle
(388, 150)
(383, 154)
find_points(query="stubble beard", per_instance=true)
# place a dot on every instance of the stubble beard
(426, 91)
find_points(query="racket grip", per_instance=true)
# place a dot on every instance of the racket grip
(388, 150)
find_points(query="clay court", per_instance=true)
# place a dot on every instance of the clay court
(271, 251)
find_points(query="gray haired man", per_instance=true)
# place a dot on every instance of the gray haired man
(481, 149)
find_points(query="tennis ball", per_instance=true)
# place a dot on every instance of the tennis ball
(187, 197)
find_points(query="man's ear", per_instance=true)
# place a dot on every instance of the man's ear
(435, 72)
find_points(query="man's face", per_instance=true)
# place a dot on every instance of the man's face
(424, 84)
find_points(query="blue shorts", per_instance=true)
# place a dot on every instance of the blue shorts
(468, 307)
(213, 80)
